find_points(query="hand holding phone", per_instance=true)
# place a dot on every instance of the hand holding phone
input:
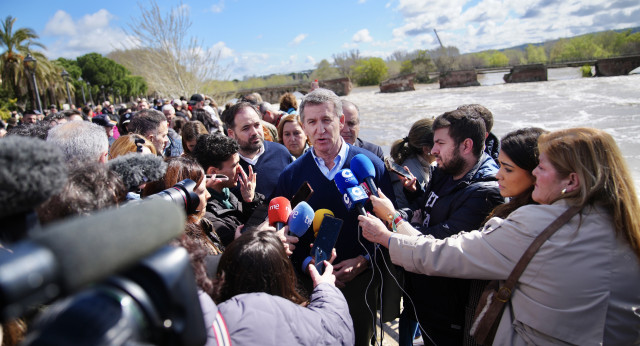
(396, 168)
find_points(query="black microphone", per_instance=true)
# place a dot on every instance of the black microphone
(363, 169)
(69, 255)
(136, 169)
(31, 171)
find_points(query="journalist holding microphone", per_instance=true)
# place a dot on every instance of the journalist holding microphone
(581, 285)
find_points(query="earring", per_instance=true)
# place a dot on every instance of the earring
(563, 191)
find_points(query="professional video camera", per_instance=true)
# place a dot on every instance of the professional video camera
(182, 195)
(149, 295)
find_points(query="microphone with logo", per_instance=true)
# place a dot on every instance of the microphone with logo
(300, 219)
(328, 229)
(279, 210)
(363, 169)
(353, 196)
(317, 219)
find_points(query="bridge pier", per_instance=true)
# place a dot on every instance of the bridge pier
(457, 79)
(526, 73)
(617, 66)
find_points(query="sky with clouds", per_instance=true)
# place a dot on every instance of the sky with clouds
(264, 37)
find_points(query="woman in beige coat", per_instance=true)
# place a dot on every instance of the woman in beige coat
(583, 285)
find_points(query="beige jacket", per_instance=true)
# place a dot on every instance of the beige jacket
(582, 287)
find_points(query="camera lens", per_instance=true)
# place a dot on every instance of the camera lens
(182, 195)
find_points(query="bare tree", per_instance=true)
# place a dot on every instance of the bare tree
(346, 61)
(173, 62)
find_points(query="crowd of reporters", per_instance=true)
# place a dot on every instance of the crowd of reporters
(440, 211)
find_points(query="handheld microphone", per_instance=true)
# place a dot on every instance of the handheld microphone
(279, 210)
(317, 219)
(365, 172)
(353, 196)
(69, 255)
(300, 219)
(345, 179)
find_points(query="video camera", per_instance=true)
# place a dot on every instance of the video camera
(181, 194)
(149, 296)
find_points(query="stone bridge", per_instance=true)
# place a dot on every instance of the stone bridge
(537, 72)
(340, 86)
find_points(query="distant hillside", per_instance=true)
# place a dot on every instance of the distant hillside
(522, 47)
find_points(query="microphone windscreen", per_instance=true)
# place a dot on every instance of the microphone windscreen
(317, 219)
(344, 180)
(354, 196)
(135, 168)
(279, 210)
(300, 219)
(31, 171)
(90, 248)
(362, 167)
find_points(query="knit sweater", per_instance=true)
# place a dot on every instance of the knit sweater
(326, 195)
(268, 168)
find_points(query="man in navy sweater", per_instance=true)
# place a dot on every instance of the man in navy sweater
(322, 119)
(268, 159)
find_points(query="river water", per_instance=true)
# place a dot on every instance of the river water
(566, 100)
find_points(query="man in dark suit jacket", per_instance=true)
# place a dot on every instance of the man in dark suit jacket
(267, 159)
(351, 129)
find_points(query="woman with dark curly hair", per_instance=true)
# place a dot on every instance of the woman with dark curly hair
(288, 103)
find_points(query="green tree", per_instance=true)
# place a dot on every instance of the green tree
(498, 59)
(100, 71)
(422, 65)
(406, 67)
(370, 71)
(16, 44)
(324, 71)
(536, 54)
(346, 62)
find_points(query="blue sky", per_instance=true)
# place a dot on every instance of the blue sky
(263, 37)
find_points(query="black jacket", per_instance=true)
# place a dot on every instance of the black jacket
(492, 146)
(452, 207)
(225, 221)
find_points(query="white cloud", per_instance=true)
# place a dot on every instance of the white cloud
(362, 1)
(296, 41)
(362, 36)
(221, 47)
(60, 24)
(348, 45)
(310, 60)
(217, 8)
(496, 24)
(91, 33)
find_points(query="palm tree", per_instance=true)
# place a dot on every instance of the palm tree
(17, 44)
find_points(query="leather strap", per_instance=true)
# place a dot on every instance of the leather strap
(507, 288)
(486, 324)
